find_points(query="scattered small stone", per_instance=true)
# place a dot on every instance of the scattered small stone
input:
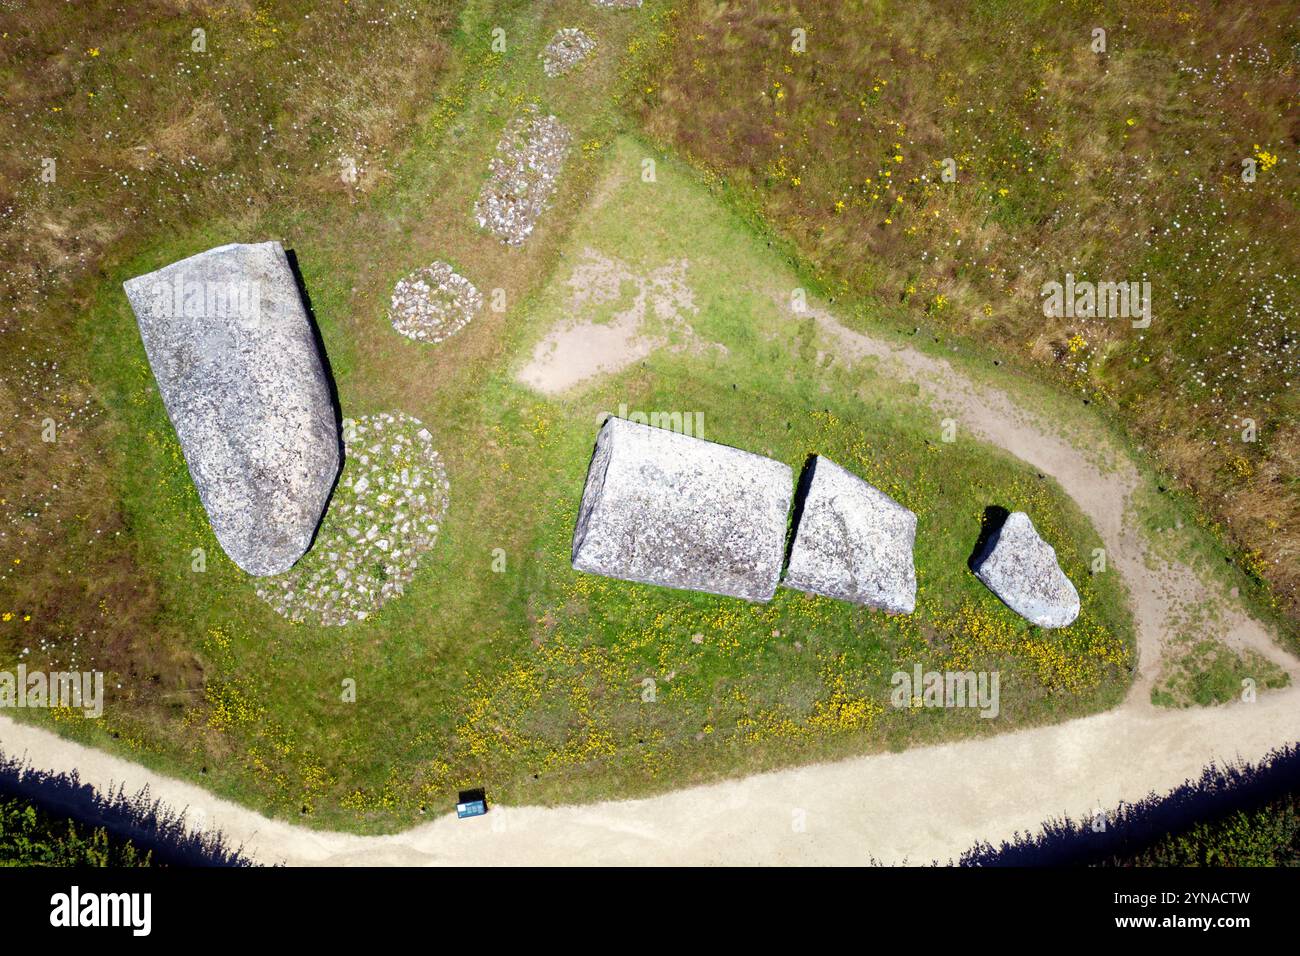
(522, 175)
(853, 542)
(394, 485)
(567, 49)
(433, 303)
(617, 4)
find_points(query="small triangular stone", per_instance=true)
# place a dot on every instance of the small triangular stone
(1020, 567)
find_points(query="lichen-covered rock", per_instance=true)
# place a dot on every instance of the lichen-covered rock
(236, 361)
(853, 542)
(1020, 568)
(668, 509)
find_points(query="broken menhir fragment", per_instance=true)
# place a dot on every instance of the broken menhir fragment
(1020, 568)
(853, 542)
(668, 509)
(236, 361)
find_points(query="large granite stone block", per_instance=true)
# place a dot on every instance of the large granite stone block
(853, 542)
(1020, 568)
(236, 361)
(668, 509)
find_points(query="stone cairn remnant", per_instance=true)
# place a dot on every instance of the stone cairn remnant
(522, 176)
(567, 49)
(389, 505)
(433, 303)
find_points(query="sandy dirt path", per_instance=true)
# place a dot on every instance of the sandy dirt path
(921, 805)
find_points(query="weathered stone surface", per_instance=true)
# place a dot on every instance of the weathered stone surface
(853, 542)
(669, 509)
(1020, 568)
(236, 361)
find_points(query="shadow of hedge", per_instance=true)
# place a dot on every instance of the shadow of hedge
(138, 817)
(1131, 828)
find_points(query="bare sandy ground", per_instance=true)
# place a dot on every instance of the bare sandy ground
(580, 348)
(917, 806)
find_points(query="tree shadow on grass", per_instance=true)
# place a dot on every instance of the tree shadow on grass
(1132, 828)
(144, 821)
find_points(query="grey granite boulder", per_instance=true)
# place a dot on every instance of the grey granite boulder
(853, 542)
(1020, 568)
(237, 364)
(668, 509)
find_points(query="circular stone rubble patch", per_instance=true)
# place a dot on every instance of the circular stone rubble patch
(433, 303)
(567, 49)
(385, 513)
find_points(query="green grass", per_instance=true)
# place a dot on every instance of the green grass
(1208, 672)
(1118, 165)
(530, 681)
(33, 836)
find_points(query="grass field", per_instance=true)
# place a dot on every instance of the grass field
(529, 680)
(1119, 161)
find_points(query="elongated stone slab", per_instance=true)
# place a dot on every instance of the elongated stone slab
(236, 361)
(1020, 568)
(668, 509)
(853, 542)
